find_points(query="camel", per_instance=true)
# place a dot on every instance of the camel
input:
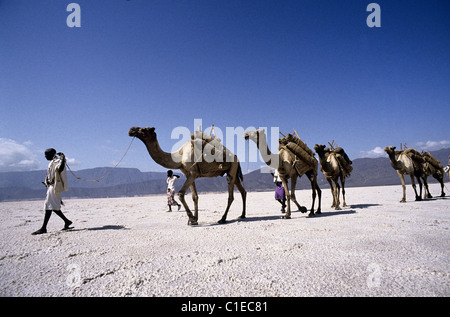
(403, 164)
(288, 167)
(434, 168)
(332, 170)
(194, 166)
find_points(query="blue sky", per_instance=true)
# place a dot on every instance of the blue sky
(310, 65)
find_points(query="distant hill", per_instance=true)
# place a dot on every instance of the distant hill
(132, 182)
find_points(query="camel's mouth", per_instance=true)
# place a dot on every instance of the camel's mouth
(134, 131)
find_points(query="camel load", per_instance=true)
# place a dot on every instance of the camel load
(341, 157)
(416, 158)
(298, 148)
(414, 155)
(432, 160)
(210, 148)
(343, 160)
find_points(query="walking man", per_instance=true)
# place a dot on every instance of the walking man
(56, 183)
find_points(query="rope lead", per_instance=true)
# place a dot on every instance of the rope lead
(106, 174)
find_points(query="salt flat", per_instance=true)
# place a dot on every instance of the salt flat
(376, 246)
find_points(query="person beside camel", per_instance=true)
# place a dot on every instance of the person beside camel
(171, 180)
(56, 183)
(280, 195)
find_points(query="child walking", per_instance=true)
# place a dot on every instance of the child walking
(171, 180)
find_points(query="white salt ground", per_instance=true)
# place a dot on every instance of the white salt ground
(376, 246)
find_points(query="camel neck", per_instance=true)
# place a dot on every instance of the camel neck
(167, 160)
(269, 158)
(393, 160)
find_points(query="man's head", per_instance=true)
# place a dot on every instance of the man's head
(169, 173)
(50, 154)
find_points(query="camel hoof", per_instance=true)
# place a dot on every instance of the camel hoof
(303, 209)
(403, 201)
(443, 195)
(242, 217)
(318, 212)
(222, 221)
(338, 208)
(311, 214)
(285, 217)
(192, 222)
(418, 198)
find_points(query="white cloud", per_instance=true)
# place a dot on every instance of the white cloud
(16, 157)
(432, 145)
(374, 153)
(73, 161)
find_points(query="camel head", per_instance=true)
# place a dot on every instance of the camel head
(253, 135)
(390, 149)
(147, 134)
(319, 148)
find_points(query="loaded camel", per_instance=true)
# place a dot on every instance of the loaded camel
(194, 163)
(288, 166)
(434, 168)
(406, 164)
(333, 171)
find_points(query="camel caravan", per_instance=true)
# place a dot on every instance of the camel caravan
(205, 156)
(416, 165)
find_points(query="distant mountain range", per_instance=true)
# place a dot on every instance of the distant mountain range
(122, 182)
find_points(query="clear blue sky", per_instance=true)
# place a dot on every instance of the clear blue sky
(310, 65)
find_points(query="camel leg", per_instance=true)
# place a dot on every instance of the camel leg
(230, 200)
(344, 204)
(319, 194)
(293, 197)
(243, 194)
(288, 198)
(189, 181)
(313, 179)
(441, 180)
(332, 192)
(426, 193)
(418, 197)
(404, 187)
(195, 199)
(337, 193)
